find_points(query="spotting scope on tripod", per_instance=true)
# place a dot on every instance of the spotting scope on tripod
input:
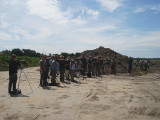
(19, 81)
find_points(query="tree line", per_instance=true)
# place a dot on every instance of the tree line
(32, 53)
(23, 52)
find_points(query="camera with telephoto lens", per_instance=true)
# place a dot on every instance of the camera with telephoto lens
(22, 62)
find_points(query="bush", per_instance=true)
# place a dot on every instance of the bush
(31, 61)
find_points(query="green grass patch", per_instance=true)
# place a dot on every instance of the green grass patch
(31, 61)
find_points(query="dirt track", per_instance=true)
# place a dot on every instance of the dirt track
(118, 97)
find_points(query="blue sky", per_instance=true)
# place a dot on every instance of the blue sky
(130, 27)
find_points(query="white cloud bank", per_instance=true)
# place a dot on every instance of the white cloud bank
(110, 5)
(46, 9)
(139, 10)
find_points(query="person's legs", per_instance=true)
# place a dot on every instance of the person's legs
(67, 74)
(54, 72)
(14, 83)
(72, 75)
(63, 71)
(114, 71)
(41, 79)
(44, 79)
(10, 84)
(61, 75)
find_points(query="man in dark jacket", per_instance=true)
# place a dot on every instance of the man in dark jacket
(13, 67)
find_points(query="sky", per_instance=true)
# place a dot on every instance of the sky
(129, 27)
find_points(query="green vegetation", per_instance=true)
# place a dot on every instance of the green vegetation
(23, 52)
(31, 61)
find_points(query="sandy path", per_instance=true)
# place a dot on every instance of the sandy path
(109, 98)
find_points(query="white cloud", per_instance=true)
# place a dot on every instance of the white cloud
(156, 9)
(47, 9)
(5, 36)
(14, 2)
(139, 10)
(110, 5)
(93, 13)
(3, 23)
(50, 10)
(98, 29)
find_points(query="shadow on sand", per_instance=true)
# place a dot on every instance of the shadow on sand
(18, 95)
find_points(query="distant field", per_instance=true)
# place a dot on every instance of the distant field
(31, 61)
(152, 61)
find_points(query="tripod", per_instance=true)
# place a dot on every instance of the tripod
(22, 71)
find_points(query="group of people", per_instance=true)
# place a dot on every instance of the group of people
(144, 64)
(54, 66)
(68, 67)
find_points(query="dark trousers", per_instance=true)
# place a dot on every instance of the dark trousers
(43, 79)
(97, 70)
(12, 83)
(113, 70)
(84, 70)
(53, 78)
(130, 69)
(62, 71)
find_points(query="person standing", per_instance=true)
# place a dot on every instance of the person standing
(13, 67)
(94, 66)
(73, 68)
(43, 71)
(141, 64)
(97, 72)
(54, 67)
(130, 61)
(62, 63)
(113, 66)
(90, 66)
(145, 65)
(67, 68)
(84, 64)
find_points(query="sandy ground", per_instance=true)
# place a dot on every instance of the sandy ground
(120, 97)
